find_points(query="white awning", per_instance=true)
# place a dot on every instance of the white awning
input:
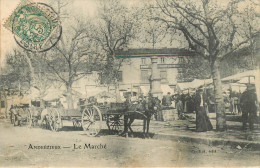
(166, 89)
(247, 80)
(194, 84)
(93, 90)
(183, 86)
(240, 75)
(34, 93)
(145, 90)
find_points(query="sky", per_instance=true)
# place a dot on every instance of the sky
(88, 8)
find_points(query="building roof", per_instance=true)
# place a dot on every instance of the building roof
(149, 52)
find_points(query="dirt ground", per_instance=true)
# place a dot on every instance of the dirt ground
(22, 146)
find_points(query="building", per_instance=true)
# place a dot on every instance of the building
(135, 72)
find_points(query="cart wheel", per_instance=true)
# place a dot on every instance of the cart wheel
(29, 118)
(54, 120)
(115, 123)
(91, 120)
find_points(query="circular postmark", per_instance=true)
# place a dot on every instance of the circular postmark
(36, 27)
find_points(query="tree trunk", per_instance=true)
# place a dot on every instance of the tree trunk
(118, 97)
(31, 69)
(220, 109)
(69, 98)
(6, 105)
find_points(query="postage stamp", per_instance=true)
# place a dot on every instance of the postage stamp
(35, 26)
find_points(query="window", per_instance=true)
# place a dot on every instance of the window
(2, 104)
(120, 76)
(144, 76)
(163, 75)
(162, 60)
(101, 78)
(36, 103)
(143, 60)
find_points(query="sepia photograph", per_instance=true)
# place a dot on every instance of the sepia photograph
(130, 83)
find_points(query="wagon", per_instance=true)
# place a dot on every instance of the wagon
(19, 114)
(34, 115)
(89, 117)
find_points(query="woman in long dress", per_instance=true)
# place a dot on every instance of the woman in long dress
(202, 120)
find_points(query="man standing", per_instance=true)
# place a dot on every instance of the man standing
(168, 99)
(11, 112)
(248, 105)
(179, 106)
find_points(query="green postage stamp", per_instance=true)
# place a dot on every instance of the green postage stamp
(35, 26)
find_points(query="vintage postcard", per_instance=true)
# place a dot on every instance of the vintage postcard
(130, 83)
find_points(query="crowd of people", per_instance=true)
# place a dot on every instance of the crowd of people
(186, 103)
(202, 102)
(195, 103)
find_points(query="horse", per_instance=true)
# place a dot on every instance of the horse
(143, 110)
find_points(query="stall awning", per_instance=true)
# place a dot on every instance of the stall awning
(93, 90)
(166, 89)
(145, 90)
(196, 83)
(247, 80)
(105, 94)
(183, 86)
(34, 93)
(240, 75)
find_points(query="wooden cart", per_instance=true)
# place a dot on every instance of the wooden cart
(89, 118)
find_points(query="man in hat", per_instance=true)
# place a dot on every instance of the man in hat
(248, 105)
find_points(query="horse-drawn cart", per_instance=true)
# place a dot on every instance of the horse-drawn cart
(89, 118)
(120, 116)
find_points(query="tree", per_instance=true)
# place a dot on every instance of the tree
(30, 67)
(69, 61)
(193, 67)
(213, 30)
(14, 75)
(153, 32)
(17, 69)
(112, 32)
(197, 67)
(27, 70)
